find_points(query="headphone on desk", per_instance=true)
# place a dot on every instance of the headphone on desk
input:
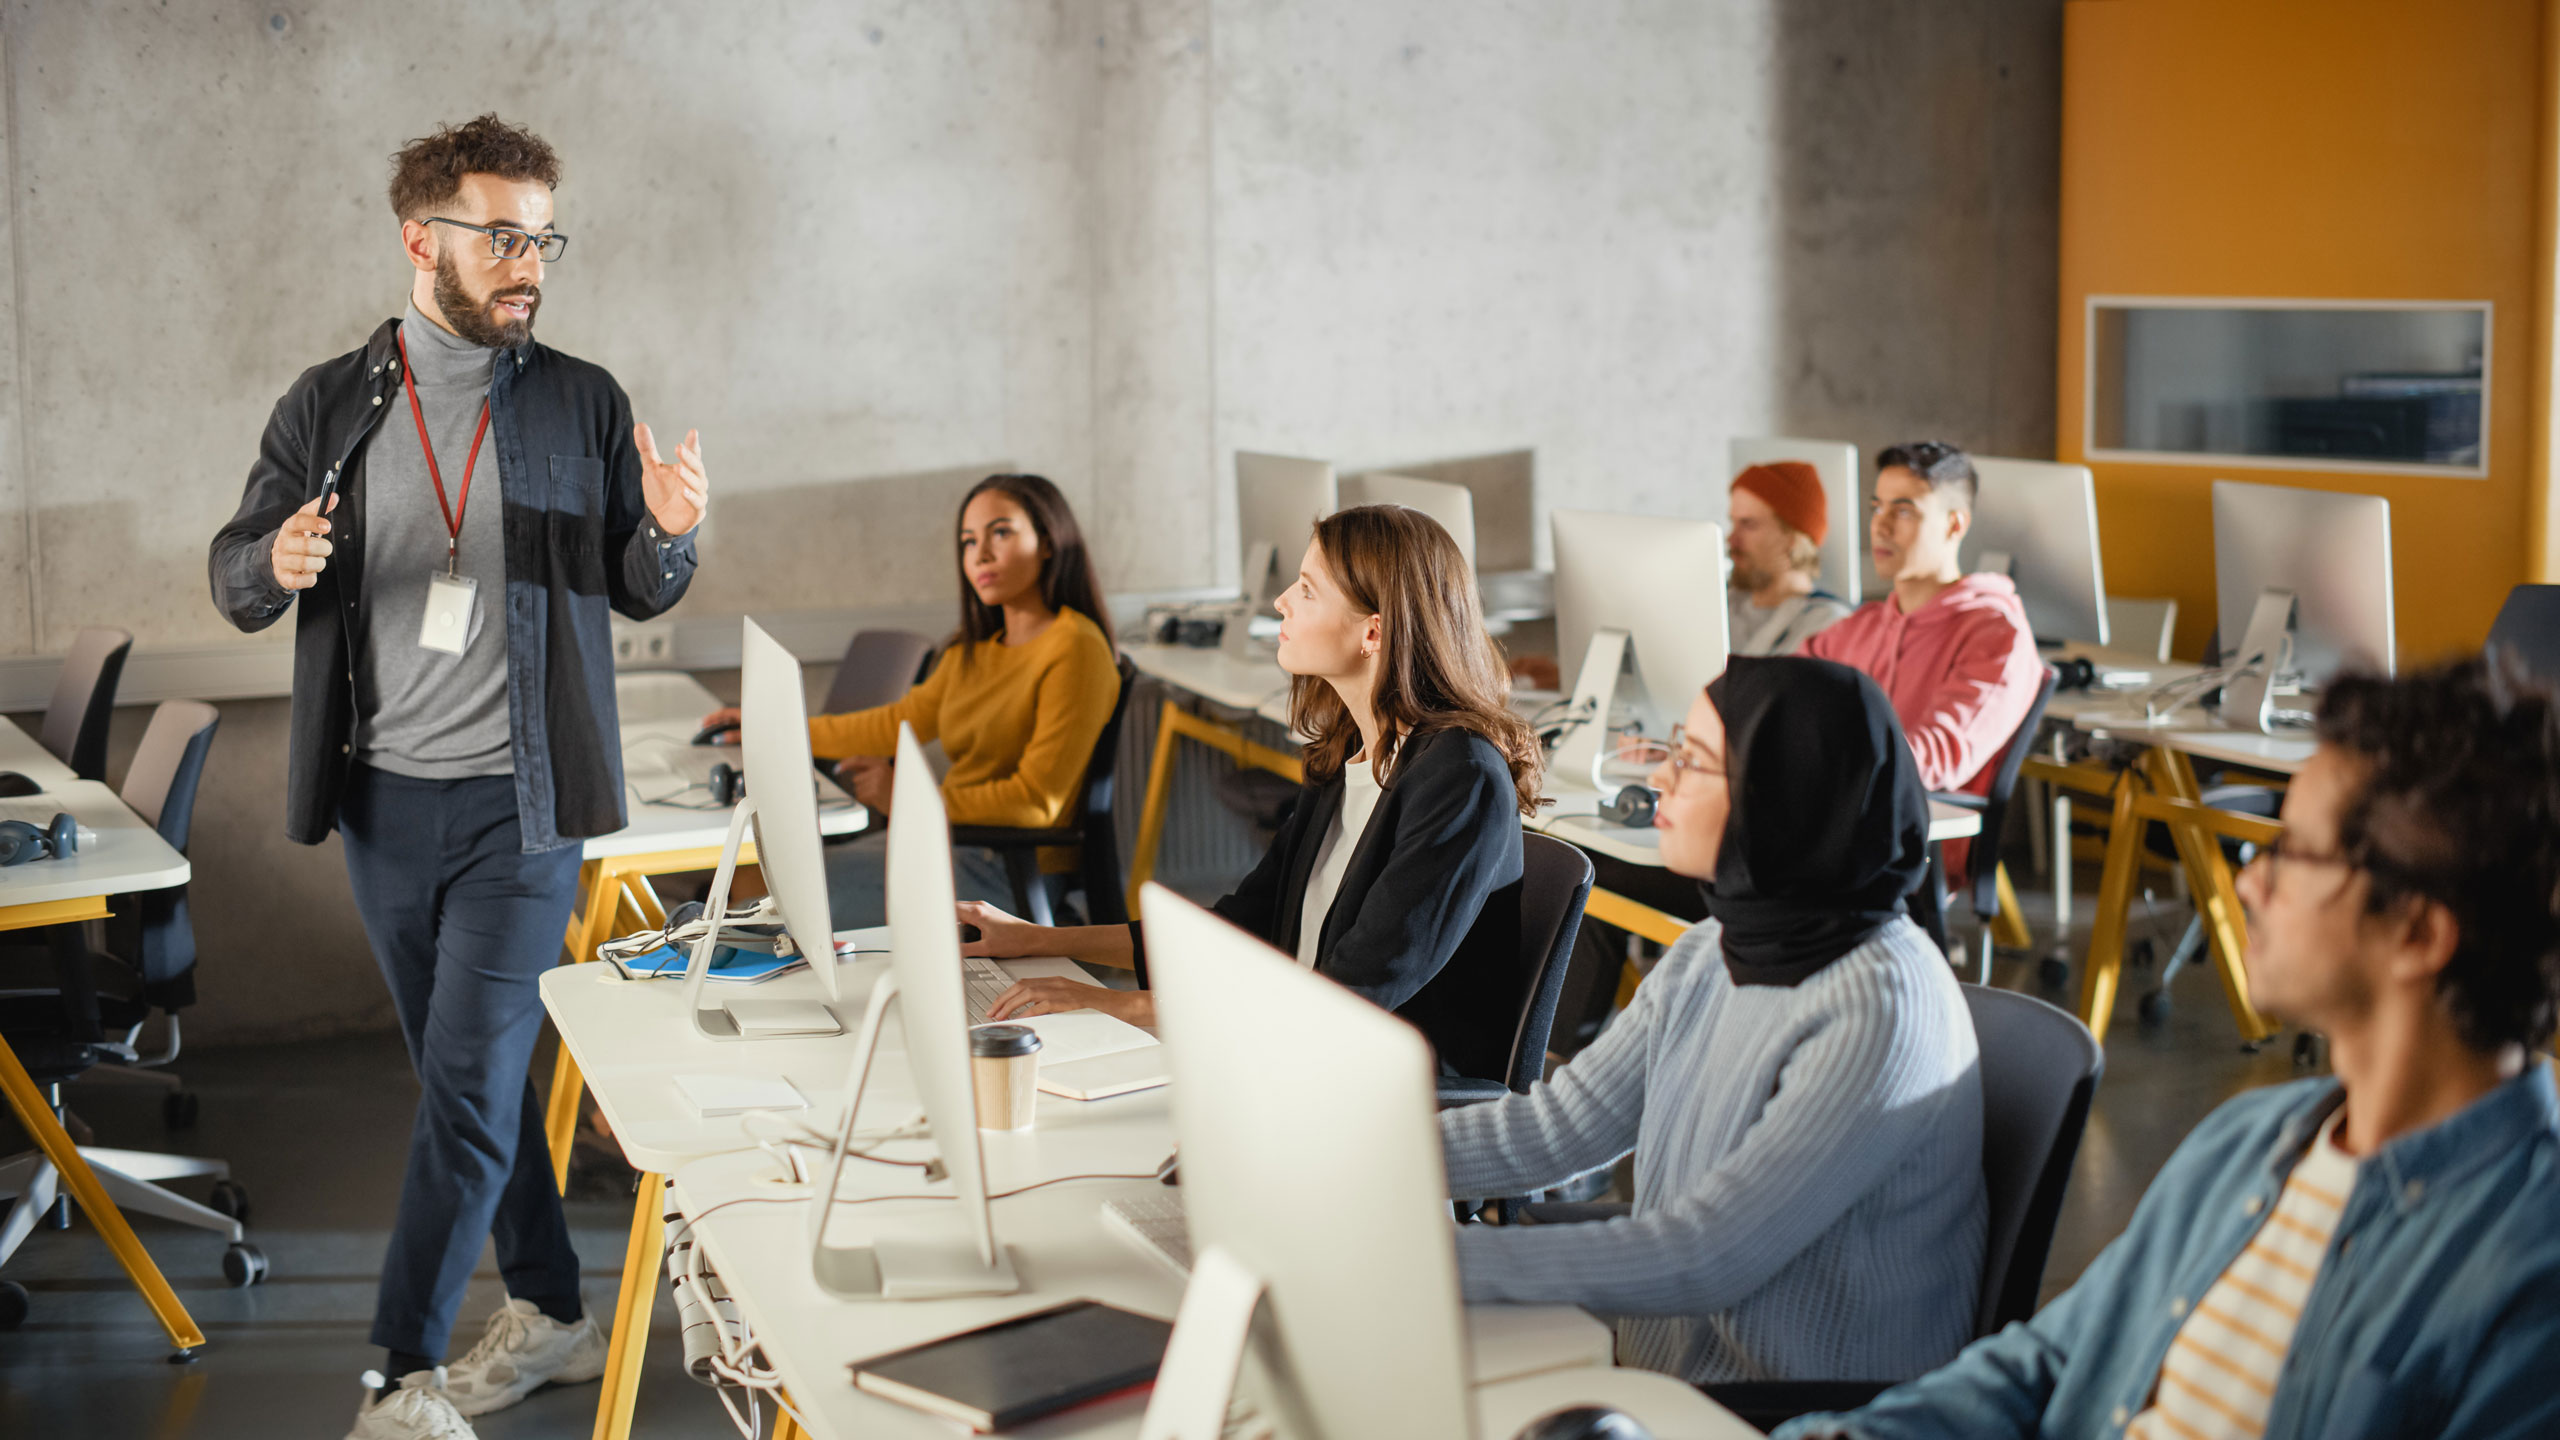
(21, 842)
(727, 783)
(2074, 672)
(1632, 806)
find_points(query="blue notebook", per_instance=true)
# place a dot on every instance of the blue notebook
(730, 964)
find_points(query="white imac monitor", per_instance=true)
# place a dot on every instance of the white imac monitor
(1637, 593)
(1279, 499)
(1844, 550)
(782, 807)
(943, 1252)
(2037, 523)
(2331, 551)
(1318, 1208)
(1454, 506)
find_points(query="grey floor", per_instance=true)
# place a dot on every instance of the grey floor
(317, 1133)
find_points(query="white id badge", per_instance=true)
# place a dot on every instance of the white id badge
(447, 625)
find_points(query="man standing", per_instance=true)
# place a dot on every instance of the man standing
(456, 509)
(1778, 516)
(2367, 1254)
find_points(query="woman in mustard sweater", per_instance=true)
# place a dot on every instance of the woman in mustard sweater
(1018, 698)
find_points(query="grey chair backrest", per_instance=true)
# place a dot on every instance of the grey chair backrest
(878, 667)
(84, 700)
(1555, 882)
(2529, 625)
(161, 784)
(2040, 1066)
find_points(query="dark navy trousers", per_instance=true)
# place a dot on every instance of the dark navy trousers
(464, 924)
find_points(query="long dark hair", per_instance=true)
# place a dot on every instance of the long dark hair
(1067, 579)
(1437, 668)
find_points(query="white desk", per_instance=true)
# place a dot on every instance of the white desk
(2284, 754)
(1574, 819)
(126, 856)
(23, 753)
(1258, 685)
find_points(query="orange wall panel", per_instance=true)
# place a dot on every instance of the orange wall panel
(2309, 149)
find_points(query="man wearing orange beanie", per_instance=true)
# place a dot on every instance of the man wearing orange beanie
(1777, 518)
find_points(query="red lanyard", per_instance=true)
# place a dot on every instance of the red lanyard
(453, 510)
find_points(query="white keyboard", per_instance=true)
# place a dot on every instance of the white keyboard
(985, 980)
(1153, 1224)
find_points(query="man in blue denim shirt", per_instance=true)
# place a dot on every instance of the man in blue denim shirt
(451, 511)
(2410, 912)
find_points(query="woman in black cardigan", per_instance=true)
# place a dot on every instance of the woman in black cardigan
(1407, 869)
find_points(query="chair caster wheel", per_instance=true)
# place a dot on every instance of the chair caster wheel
(231, 1198)
(2052, 970)
(244, 1264)
(14, 1304)
(2155, 1007)
(2310, 1051)
(178, 1109)
(2139, 955)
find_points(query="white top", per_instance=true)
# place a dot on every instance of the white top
(2219, 1377)
(1359, 801)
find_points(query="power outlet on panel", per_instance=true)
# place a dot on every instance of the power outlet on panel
(640, 646)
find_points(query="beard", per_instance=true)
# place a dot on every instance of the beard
(1748, 578)
(479, 320)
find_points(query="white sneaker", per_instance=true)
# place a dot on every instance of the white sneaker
(522, 1351)
(418, 1410)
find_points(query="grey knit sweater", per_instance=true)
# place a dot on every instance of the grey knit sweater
(1808, 1179)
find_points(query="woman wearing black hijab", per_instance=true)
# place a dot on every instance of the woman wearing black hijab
(1797, 1078)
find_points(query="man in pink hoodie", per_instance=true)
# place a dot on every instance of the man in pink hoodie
(1951, 650)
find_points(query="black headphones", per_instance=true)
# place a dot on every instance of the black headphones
(2076, 672)
(1631, 806)
(727, 784)
(21, 842)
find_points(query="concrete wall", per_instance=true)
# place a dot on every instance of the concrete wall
(872, 249)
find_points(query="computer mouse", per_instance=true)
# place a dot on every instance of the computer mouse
(13, 784)
(1170, 1172)
(710, 734)
(969, 934)
(1585, 1422)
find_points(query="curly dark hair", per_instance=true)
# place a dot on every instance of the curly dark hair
(2460, 804)
(428, 171)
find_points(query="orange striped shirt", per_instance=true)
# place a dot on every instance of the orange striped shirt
(2220, 1375)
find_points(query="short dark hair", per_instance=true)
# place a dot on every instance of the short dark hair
(2460, 804)
(428, 171)
(1948, 470)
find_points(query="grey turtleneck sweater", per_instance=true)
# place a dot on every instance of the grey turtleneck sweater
(421, 712)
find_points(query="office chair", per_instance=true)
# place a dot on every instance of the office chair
(1093, 830)
(2040, 1069)
(1982, 886)
(84, 700)
(878, 667)
(1555, 881)
(2529, 626)
(63, 1032)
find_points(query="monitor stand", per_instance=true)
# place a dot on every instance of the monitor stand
(1585, 746)
(1261, 558)
(939, 1262)
(2266, 648)
(744, 1019)
(1196, 1383)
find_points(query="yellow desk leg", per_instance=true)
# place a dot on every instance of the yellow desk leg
(784, 1427)
(1611, 908)
(631, 1313)
(37, 1117)
(603, 886)
(2105, 963)
(2009, 923)
(1173, 723)
(2217, 900)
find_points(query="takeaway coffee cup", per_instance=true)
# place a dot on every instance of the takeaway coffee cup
(1004, 1060)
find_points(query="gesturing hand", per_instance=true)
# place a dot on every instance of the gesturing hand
(676, 493)
(301, 547)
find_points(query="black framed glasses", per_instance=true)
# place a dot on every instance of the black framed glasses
(2276, 852)
(506, 242)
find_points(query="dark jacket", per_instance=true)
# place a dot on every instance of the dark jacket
(1427, 920)
(579, 541)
